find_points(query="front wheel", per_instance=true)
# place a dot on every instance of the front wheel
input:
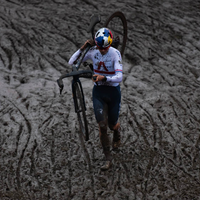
(118, 25)
(80, 110)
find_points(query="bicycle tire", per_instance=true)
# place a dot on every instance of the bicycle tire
(118, 29)
(80, 110)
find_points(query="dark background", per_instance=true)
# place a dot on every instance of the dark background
(41, 156)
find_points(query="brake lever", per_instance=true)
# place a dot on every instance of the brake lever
(95, 78)
(60, 84)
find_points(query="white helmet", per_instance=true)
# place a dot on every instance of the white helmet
(103, 38)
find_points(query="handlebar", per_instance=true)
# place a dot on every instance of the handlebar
(82, 73)
(94, 78)
(75, 71)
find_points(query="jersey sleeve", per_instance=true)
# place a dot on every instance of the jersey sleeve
(117, 60)
(76, 55)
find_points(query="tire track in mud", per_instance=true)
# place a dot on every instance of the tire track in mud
(29, 130)
(86, 154)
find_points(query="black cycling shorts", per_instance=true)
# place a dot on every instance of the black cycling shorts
(106, 103)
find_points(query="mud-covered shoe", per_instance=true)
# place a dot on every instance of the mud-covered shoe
(106, 165)
(116, 144)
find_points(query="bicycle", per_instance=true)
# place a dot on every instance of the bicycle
(77, 90)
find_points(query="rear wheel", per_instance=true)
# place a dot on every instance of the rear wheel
(118, 25)
(80, 110)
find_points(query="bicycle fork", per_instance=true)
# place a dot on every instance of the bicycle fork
(75, 83)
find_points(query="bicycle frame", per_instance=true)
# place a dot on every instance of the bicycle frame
(75, 67)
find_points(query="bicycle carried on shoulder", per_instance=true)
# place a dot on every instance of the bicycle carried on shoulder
(118, 25)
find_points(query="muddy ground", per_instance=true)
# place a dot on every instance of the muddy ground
(41, 154)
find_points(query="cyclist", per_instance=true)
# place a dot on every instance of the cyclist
(107, 67)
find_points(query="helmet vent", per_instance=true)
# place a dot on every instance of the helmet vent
(97, 33)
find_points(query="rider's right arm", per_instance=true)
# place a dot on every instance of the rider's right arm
(74, 57)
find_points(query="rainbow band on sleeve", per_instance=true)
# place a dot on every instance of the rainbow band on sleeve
(118, 70)
(103, 72)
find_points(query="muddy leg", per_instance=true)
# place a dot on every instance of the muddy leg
(116, 135)
(104, 138)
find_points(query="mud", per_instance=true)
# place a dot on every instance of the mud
(41, 153)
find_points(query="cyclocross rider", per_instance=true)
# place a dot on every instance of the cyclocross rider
(107, 67)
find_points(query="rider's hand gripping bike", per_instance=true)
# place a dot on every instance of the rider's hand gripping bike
(118, 25)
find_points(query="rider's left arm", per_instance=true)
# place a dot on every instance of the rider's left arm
(117, 78)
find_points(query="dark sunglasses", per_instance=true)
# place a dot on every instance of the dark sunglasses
(100, 48)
